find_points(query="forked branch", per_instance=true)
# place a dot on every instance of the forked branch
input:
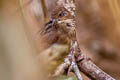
(78, 60)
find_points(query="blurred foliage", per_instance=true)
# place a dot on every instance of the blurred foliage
(65, 78)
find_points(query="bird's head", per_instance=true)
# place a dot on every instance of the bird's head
(64, 20)
(62, 16)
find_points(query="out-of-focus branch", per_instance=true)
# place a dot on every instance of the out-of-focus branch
(44, 9)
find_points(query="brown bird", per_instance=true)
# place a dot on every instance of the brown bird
(61, 28)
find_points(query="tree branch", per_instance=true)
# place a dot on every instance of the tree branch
(89, 68)
(78, 60)
(70, 64)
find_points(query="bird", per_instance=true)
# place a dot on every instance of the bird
(58, 33)
(61, 28)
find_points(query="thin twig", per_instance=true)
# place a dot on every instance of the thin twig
(76, 69)
(61, 69)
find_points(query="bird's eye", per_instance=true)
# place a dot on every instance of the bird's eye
(68, 25)
(63, 13)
